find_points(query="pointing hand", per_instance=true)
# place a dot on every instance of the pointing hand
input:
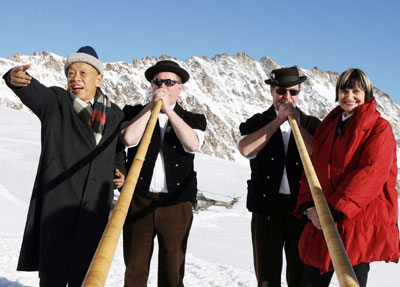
(19, 77)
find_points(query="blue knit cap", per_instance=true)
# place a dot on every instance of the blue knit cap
(85, 54)
(88, 50)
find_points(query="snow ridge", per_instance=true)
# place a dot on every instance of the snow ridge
(227, 89)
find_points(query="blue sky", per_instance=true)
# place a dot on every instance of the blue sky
(332, 35)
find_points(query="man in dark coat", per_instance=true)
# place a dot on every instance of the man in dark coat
(167, 185)
(276, 170)
(81, 162)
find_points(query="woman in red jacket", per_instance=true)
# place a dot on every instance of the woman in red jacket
(355, 159)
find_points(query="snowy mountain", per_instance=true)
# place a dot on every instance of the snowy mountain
(227, 89)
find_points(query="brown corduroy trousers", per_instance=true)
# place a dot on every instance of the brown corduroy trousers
(151, 216)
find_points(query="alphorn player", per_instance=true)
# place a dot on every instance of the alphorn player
(81, 156)
(355, 160)
(276, 170)
(167, 185)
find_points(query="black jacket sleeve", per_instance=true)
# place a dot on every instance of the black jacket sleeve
(37, 97)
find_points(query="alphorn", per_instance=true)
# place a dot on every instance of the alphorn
(340, 260)
(98, 270)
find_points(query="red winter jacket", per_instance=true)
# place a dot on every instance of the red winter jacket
(358, 173)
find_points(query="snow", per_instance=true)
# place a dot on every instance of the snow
(219, 251)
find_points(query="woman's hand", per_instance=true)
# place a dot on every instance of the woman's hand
(313, 216)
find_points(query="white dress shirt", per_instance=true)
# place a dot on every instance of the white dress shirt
(285, 130)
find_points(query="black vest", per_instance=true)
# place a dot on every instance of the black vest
(267, 167)
(180, 174)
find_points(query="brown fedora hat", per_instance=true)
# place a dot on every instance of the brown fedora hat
(166, 66)
(285, 77)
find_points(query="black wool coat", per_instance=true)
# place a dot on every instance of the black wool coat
(267, 167)
(73, 189)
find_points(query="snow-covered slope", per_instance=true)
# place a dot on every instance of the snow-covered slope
(219, 249)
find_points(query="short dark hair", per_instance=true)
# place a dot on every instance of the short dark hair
(352, 78)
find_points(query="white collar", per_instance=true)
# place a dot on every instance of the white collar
(345, 118)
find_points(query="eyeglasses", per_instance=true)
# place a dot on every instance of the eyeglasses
(168, 82)
(282, 91)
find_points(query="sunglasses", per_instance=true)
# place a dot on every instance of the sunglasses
(282, 91)
(168, 82)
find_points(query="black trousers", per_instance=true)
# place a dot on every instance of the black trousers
(50, 283)
(313, 278)
(270, 235)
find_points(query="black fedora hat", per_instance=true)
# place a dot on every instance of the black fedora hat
(285, 77)
(166, 66)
